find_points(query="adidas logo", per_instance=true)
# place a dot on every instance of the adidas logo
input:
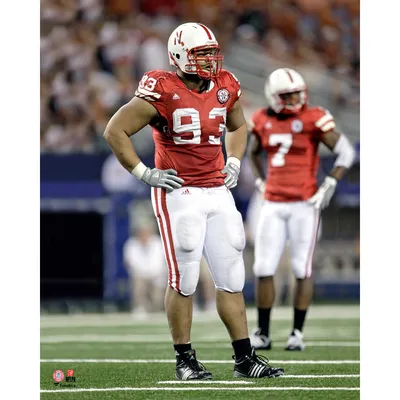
(186, 191)
(175, 97)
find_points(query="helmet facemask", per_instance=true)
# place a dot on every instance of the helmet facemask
(285, 103)
(292, 101)
(204, 66)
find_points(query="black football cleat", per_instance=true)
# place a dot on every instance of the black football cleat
(254, 366)
(188, 368)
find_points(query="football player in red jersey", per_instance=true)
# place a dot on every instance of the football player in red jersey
(189, 111)
(289, 131)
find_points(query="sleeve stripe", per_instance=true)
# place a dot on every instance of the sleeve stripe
(327, 117)
(236, 79)
(148, 93)
(239, 93)
(328, 126)
(142, 96)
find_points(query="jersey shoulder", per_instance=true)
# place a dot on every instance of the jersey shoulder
(154, 85)
(226, 78)
(319, 117)
(225, 74)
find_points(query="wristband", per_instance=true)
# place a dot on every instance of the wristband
(259, 181)
(139, 170)
(234, 161)
(330, 180)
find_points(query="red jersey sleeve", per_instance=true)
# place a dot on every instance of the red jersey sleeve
(152, 89)
(233, 85)
(323, 122)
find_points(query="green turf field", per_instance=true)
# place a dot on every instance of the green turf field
(115, 357)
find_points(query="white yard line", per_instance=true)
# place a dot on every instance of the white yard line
(205, 382)
(247, 382)
(98, 338)
(130, 361)
(184, 389)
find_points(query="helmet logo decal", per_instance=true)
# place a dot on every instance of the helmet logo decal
(223, 96)
(179, 37)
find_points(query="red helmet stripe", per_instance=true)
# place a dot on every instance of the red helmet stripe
(290, 76)
(207, 31)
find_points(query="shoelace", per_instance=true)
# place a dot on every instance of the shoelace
(192, 362)
(195, 365)
(258, 358)
(261, 359)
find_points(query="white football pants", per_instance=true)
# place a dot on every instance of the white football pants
(197, 221)
(296, 222)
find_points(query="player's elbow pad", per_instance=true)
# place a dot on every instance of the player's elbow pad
(345, 152)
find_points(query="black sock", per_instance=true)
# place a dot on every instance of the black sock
(299, 317)
(241, 348)
(263, 320)
(182, 348)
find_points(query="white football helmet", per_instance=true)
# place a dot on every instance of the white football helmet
(284, 81)
(186, 41)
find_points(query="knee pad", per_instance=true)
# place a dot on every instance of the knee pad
(299, 269)
(261, 269)
(232, 279)
(235, 231)
(189, 277)
(258, 269)
(189, 231)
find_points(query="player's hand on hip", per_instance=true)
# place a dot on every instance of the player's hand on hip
(232, 170)
(165, 179)
(323, 195)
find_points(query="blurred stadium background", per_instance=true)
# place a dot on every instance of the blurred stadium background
(92, 54)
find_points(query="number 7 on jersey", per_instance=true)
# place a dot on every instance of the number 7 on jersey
(284, 140)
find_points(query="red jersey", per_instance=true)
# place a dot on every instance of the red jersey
(188, 130)
(291, 145)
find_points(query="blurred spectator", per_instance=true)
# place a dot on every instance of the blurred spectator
(156, 7)
(144, 260)
(153, 54)
(119, 8)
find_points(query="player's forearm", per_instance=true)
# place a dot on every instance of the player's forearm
(338, 172)
(236, 142)
(256, 166)
(122, 147)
